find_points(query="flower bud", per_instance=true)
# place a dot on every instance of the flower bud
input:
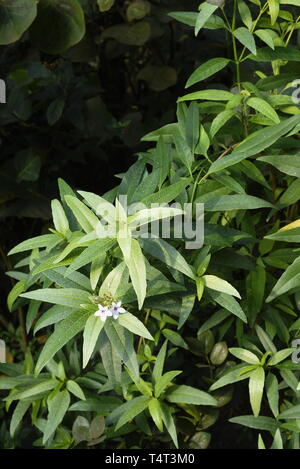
(219, 353)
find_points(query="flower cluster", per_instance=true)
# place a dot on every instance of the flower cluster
(114, 310)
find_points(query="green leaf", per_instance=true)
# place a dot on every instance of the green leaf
(256, 389)
(272, 392)
(149, 215)
(187, 305)
(133, 408)
(55, 111)
(289, 280)
(52, 316)
(229, 303)
(97, 248)
(274, 8)
(200, 287)
(246, 38)
(57, 410)
(206, 70)
(17, 416)
(265, 54)
(169, 422)
(91, 333)
(66, 18)
(71, 297)
(75, 389)
(174, 338)
(236, 202)
(244, 355)
(259, 423)
(264, 108)
(133, 324)
(215, 283)
(28, 165)
(290, 413)
(255, 143)
(188, 395)
(100, 205)
(220, 120)
(232, 375)
(166, 194)
(102, 405)
(111, 361)
(203, 16)
(134, 34)
(15, 18)
(280, 356)
(59, 217)
(137, 271)
(34, 243)
(288, 164)
(245, 14)
(156, 413)
(289, 236)
(114, 280)
(105, 5)
(211, 95)
(15, 292)
(63, 333)
(32, 390)
(163, 381)
(166, 253)
(214, 320)
(159, 362)
(265, 340)
(265, 36)
(86, 218)
(122, 342)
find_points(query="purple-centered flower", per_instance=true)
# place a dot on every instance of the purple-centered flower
(116, 309)
(103, 312)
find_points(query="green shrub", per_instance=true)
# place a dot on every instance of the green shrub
(199, 326)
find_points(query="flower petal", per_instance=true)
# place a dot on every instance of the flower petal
(103, 317)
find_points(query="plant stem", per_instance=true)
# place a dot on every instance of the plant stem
(235, 54)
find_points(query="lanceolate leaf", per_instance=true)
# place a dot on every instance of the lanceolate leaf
(122, 342)
(137, 271)
(133, 408)
(166, 253)
(33, 243)
(218, 284)
(19, 412)
(58, 407)
(91, 333)
(255, 143)
(64, 332)
(206, 11)
(246, 38)
(206, 70)
(256, 388)
(288, 164)
(290, 279)
(71, 297)
(188, 395)
(134, 325)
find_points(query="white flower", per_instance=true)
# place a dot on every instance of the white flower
(116, 309)
(103, 312)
